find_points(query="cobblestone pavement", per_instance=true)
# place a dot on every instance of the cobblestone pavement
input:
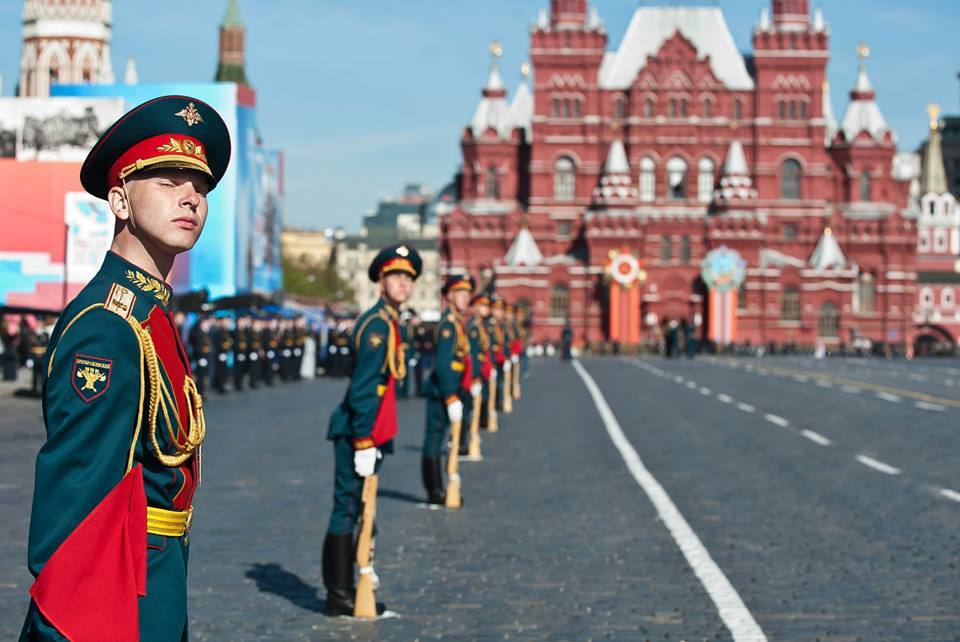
(556, 540)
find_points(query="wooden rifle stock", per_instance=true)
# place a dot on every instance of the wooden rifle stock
(474, 449)
(365, 603)
(492, 406)
(453, 466)
(508, 390)
(516, 380)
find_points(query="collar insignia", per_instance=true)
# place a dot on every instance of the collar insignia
(190, 114)
(151, 285)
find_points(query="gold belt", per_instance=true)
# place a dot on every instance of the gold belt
(169, 523)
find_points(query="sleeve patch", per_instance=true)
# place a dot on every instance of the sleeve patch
(445, 333)
(375, 340)
(90, 376)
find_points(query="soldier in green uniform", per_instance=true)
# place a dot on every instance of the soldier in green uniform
(364, 424)
(201, 351)
(480, 358)
(498, 346)
(448, 390)
(223, 347)
(488, 366)
(241, 351)
(115, 479)
(255, 356)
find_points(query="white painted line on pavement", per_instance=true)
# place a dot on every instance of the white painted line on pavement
(815, 437)
(878, 465)
(886, 396)
(823, 383)
(706, 392)
(935, 407)
(950, 494)
(724, 398)
(679, 379)
(745, 407)
(801, 378)
(776, 419)
(691, 385)
(734, 613)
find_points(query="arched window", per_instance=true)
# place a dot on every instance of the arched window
(790, 174)
(559, 301)
(577, 107)
(737, 109)
(672, 111)
(683, 108)
(685, 249)
(790, 305)
(705, 180)
(566, 108)
(648, 179)
(865, 186)
(742, 296)
(793, 110)
(564, 179)
(666, 248)
(926, 297)
(828, 321)
(619, 108)
(803, 109)
(707, 108)
(493, 183)
(940, 240)
(923, 241)
(555, 107)
(677, 177)
(648, 108)
(947, 298)
(867, 292)
(54, 71)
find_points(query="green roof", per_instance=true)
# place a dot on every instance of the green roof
(231, 18)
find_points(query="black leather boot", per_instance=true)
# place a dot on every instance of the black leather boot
(338, 556)
(433, 480)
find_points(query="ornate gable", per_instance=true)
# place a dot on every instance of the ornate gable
(677, 66)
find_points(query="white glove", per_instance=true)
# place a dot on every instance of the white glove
(515, 358)
(506, 366)
(493, 375)
(455, 411)
(365, 460)
(476, 389)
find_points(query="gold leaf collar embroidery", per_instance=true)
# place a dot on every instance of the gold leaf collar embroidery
(149, 284)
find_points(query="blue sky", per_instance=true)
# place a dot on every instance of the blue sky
(366, 95)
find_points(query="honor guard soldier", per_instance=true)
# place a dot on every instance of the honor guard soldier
(223, 349)
(481, 359)
(116, 477)
(481, 317)
(498, 347)
(449, 387)
(271, 350)
(201, 351)
(364, 424)
(255, 356)
(241, 351)
(420, 342)
(299, 346)
(403, 387)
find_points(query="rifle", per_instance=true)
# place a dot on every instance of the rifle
(516, 380)
(508, 390)
(453, 463)
(474, 450)
(365, 603)
(492, 406)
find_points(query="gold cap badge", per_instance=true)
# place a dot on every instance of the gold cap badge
(190, 114)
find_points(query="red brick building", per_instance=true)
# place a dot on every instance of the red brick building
(595, 197)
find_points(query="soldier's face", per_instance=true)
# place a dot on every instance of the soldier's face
(459, 299)
(482, 310)
(396, 287)
(169, 208)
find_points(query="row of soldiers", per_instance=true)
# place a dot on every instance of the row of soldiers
(475, 377)
(251, 349)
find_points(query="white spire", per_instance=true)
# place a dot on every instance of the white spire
(616, 159)
(493, 111)
(818, 22)
(543, 21)
(616, 186)
(735, 183)
(828, 255)
(521, 108)
(828, 114)
(131, 77)
(594, 22)
(764, 19)
(524, 250)
(863, 113)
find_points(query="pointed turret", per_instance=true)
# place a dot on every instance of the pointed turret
(493, 111)
(735, 183)
(934, 174)
(524, 249)
(828, 115)
(232, 46)
(521, 108)
(828, 255)
(863, 113)
(616, 187)
(130, 76)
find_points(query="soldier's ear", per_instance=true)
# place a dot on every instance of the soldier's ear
(119, 204)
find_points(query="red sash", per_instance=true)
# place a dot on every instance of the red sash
(486, 369)
(385, 425)
(467, 379)
(499, 356)
(517, 347)
(88, 588)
